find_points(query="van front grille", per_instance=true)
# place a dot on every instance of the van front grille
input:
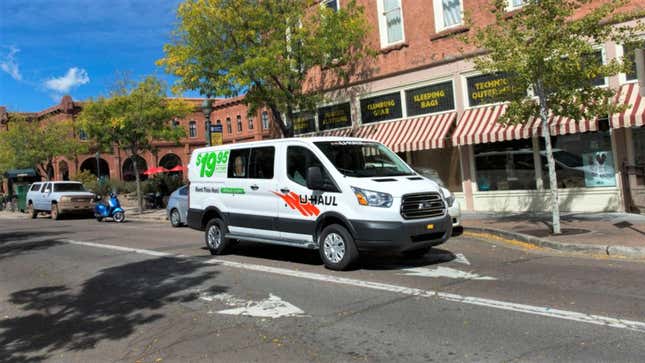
(422, 205)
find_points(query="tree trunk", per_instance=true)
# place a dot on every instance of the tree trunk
(277, 117)
(137, 182)
(553, 180)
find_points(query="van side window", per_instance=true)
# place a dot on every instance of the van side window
(238, 163)
(48, 188)
(299, 159)
(183, 191)
(35, 187)
(261, 162)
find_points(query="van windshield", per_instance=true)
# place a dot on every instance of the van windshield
(363, 159)
(68, 187)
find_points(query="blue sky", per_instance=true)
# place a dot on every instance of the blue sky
(76, 47)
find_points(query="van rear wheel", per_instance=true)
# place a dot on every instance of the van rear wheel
(215, 239)
(337, 248)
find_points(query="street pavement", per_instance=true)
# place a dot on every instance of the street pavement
(80, 290)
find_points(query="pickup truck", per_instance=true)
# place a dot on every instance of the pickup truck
(59, 197)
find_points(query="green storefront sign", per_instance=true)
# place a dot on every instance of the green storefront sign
(332, 117)
(430, 99)
(381, 108)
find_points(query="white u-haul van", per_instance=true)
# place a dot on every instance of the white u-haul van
(339, 195)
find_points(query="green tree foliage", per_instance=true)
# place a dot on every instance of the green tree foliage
(132, 117)
(33, 143)
(547, 47)
(281, 53)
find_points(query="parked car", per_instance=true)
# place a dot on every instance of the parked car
(58, 198)
(454, 209)
(178, 206)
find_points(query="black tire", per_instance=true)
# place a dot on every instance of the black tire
(218, 228)
(119, 217)
(55, 213)
(32, 212)
(175, 218)
(330, 249)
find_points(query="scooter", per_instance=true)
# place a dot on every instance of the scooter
(111, 209)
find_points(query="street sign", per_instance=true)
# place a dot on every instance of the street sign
(216, 135)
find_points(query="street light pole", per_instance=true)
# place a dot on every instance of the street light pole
(98, 167)
(207, 109)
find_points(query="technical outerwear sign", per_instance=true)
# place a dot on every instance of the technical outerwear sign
(430, 99)
(335, 116)
(488, 88)
(381, 108)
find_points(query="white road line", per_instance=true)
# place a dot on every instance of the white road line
(496, 304)
(447, 272)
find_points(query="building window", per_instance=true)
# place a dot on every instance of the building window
(82, 135)
(192, 129)
(390, 17)
(239, 123)
(250, 123)
(265, 120)
(332, 4)
(629, 57)
(219, 122)
(505, 165)
(447, 13)
(229, 128)
(598, 58)
(175, 123)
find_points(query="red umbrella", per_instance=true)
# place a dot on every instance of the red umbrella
(155, 170)
(178, 168)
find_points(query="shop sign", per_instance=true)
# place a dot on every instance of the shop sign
(303, 122)
(332, 117)
(430, 99)
(381, 108)
(488, 88)
(216, 135)
(599, 169)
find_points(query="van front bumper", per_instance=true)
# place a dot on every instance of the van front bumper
(401, 236)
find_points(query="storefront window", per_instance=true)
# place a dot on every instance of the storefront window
(638, 135)
(505, 165)
(581, 160)
(440, 165)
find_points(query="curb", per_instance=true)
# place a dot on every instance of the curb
(609, 250)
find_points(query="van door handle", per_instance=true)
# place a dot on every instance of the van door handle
(255, 187)
(285, 190)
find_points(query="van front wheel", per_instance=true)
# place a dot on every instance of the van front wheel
(337, 248)
(216, 243)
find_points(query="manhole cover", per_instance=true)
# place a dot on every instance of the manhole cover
(547, 233)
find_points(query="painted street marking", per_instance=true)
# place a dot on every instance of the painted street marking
(441, 271)
(273, 307)
(490, 303)
(460, 258)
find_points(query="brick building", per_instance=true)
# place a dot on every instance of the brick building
(231, 112)
(423, 100)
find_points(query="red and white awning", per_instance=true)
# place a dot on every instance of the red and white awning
(344, 132)
(480, 125)
(634, 115)
(419, 133)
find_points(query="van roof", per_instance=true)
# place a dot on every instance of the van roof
(310, 139)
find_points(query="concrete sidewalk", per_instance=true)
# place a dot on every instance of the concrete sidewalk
(614, 234)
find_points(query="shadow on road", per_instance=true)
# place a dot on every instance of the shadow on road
(21, 236)
(13, 250)
(109, 306)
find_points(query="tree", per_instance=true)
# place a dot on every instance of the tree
(33, 143)
(131, 118)
(282, 53)
(547, 47)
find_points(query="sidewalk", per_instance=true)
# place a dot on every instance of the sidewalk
(151, 215)
(614, 234)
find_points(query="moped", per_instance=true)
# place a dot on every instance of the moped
(111, 209)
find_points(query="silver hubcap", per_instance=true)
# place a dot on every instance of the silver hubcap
(214, 237)
(174, 217)
(118, 216)
(334, 247)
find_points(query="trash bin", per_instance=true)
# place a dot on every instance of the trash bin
(21, 194)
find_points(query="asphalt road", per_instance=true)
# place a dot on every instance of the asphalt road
(79, 290)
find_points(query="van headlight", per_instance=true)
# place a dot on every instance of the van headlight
(372, 198)
(448, 196)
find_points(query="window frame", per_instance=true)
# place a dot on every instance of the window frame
(326, 3)
(229, 126)
(382, 24)
(251, 122)
(510, 7)
(192, 129)
(620, 54)
(231, 163)
(438, 16)
(238, 121)
(252, 153)
(331, 188)
(264, 118)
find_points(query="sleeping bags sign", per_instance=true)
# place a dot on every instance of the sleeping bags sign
(381, 108)
(430, 99)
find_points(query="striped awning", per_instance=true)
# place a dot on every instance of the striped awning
(344, 132)
(634, 115)
(480, 125)
(418, 133)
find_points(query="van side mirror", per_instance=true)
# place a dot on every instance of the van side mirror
(314, 178)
